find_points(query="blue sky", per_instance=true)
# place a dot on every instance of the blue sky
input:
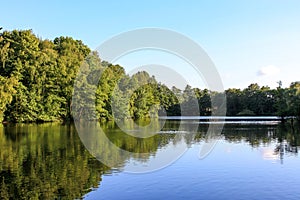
(249, 41)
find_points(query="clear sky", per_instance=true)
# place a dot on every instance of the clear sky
(249, 41)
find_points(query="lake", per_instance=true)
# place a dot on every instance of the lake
(250, 160)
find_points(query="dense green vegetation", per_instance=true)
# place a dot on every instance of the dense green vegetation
(37, 82)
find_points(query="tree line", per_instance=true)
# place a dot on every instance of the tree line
(38, 84)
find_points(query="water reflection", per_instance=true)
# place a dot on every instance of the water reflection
(285, 138)
(45, 162)
(49, 161)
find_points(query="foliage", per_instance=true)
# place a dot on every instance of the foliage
(38, 84)
(246, 112)
(6, 90)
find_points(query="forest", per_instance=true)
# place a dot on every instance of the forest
(38, 78)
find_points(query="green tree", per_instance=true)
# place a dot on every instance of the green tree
(7, 89)
(109, 79)
(83, 100)
(71, 54)
(294, 99)
(168, 101)
(205, 102)
(143, 101)
(282, 106)
(234, 101)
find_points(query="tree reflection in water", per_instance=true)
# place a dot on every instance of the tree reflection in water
(49, 161)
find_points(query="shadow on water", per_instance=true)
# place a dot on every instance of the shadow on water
(49, 161)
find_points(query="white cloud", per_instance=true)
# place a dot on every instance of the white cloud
(269, 70)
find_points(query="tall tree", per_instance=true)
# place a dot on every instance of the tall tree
(7, 89)
(71, 54)
(294, 99)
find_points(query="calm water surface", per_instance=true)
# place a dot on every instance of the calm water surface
(250, 161)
